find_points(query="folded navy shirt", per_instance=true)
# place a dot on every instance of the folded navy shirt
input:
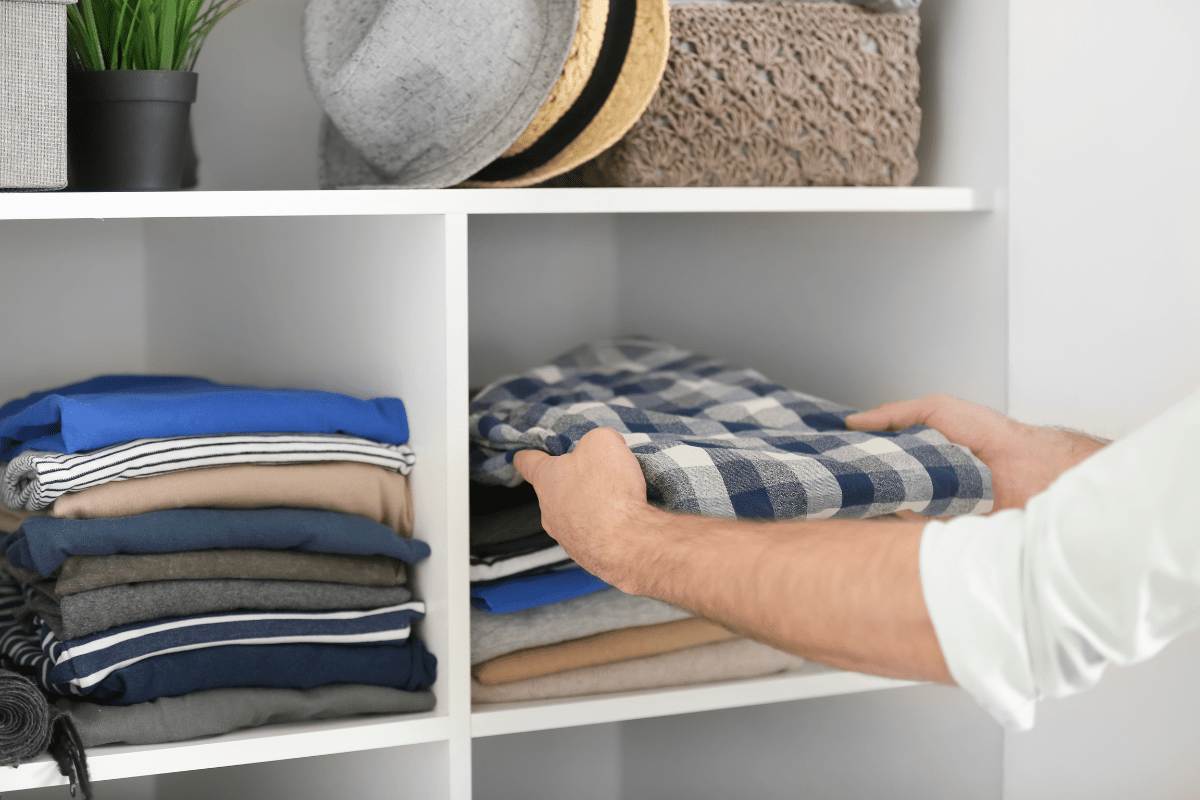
(522, 592)
(42, 544)
(118, 408)
(408, 666)
(387, 654)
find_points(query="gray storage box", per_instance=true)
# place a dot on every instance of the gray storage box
(33, 94)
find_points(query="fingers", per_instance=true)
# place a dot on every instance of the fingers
(529, 462)
(893, 416)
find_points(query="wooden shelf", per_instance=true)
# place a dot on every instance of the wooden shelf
(154, 205)
(812, 681)
(250, 746)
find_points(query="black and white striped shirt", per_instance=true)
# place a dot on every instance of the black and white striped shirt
(35, 478)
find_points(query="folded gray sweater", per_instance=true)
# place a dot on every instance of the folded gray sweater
(175, 719)
(76, 615)
(494, 635)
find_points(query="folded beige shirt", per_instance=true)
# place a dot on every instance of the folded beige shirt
(602, 648)
(360, 489)
(722, 661)
(83, 573)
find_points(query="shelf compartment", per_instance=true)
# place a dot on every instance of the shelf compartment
(811, 681)
(161, 205)
(250, 746)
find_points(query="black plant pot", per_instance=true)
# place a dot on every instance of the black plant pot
(128, 130)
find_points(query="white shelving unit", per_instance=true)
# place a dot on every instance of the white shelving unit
(858, 294)
(301, 288)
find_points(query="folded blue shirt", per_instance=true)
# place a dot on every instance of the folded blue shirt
(118, 408)
(42, 544)
(500, 597)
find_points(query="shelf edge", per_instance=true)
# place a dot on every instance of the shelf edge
(238, 748)
(548, 715)
(169, 205)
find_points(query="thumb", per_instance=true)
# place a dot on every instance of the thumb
(529, 463)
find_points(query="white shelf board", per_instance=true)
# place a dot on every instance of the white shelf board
(811, 681)
(152, 205)
(250, 746)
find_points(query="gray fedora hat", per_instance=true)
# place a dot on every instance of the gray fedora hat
(424, 93)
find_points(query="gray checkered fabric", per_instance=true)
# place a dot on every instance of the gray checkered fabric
(720, 440)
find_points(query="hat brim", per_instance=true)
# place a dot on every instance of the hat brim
(394, 128)
(635, 86)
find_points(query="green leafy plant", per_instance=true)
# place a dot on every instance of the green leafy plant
(141, 34)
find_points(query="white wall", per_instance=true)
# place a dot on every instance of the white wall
(539, 286)
(1105, 326)
(1105, 245)
(255, 120)
(920, 743)
(74, 302)
(569, 764)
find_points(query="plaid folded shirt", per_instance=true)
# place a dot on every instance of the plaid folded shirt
(720, 440)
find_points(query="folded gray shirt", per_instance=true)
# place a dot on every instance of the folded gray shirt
(611, 609)
(77, 615)
(175, 719)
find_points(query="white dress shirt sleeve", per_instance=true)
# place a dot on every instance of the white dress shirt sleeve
(1103, 567)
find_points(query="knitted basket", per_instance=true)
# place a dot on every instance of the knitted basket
(33, 94)
(780, 93)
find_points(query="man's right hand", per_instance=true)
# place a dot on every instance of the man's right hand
(1024, 459)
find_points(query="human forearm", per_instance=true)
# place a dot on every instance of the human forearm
(844, 593)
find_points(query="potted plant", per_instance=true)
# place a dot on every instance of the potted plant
(130, 90)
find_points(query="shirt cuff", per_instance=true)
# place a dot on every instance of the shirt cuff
(971, 579)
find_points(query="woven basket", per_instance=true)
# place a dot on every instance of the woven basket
(33, 94)
(779, 93)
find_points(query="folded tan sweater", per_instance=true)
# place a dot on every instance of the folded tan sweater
(722, 661)
(360, 489)
(602, 648)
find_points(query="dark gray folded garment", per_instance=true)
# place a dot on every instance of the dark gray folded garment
(507, 525)
(30, 726)
(26, 719)
(175, 719)
(76, 615)
(84, 573)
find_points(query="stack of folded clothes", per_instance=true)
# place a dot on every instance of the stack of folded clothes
(186, 558)
(542, 627)
(712, 439)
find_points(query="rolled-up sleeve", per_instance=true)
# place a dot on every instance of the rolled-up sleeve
(1103, 567)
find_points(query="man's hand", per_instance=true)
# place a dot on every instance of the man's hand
(1024, 459)
(593, 502)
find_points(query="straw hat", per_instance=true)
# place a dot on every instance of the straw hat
(614, 59)
(423, 93)
(613, 71)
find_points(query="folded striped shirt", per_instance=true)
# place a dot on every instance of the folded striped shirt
(542, 560)
(719, 440)
(35, 478)
(100, 664)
